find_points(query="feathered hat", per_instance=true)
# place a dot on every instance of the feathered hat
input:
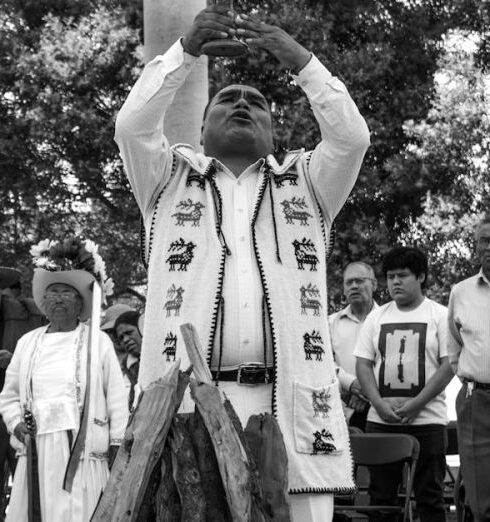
(75, 262)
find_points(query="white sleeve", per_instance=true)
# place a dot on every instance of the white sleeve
(144, 149)
(10, 407)
(365, 347)
(336, 160)
(454, 340)
(442, 330)
(115, 392)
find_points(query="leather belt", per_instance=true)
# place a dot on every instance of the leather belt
(248, 374)
(478, 385)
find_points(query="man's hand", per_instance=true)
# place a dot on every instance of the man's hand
(5, 357)
(20, 431)
(357, 404)
(386, 412)
(357, 400)
(273, 39)
(213, 23)
(408, 410)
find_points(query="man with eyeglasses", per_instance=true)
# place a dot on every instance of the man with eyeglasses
(359, 285)
(469, 355)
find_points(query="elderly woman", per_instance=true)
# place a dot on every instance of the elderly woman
(64, 388)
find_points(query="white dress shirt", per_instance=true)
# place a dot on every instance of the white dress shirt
(469, 328)
(334, 166)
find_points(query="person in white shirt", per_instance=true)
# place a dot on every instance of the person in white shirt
(359, 283)
(469, 354)
(235, 243)
(403, 368)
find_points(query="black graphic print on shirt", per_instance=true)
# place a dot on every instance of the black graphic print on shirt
(402, 349)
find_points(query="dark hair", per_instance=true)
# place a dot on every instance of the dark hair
(407, 257)
(130, 317)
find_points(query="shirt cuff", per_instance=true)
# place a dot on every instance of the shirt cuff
(315, 76)
(175, 61)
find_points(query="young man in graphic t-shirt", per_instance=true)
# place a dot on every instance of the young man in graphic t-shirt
(403, 368)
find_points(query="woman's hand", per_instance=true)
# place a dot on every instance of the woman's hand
(20, 431)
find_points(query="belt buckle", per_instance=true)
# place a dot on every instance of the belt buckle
(251, 366)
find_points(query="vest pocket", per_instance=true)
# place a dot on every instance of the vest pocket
(319, 423)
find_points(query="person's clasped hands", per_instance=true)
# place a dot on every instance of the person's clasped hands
(219, 22)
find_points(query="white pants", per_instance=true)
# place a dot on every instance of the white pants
(252, 400)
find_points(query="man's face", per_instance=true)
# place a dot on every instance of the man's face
(359, 285)
(483, 248)
(238, 119)
(62, 303)
(404, 286)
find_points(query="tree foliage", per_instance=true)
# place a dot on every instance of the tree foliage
(66, 67)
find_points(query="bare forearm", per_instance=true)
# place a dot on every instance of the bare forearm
(365, 374)
(436, 384)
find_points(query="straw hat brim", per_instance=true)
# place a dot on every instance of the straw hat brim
(8, 276)
(81, 280)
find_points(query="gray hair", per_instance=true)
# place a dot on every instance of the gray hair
(369, 268)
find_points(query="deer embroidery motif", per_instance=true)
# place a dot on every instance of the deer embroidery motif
(192, 215)
(291, 176)
(313, 345)
(170, 346)
(184, 255)
(307, 303)
(322, 443)
(303, 251)
(293, 211)
(319, 400)
(175, 299)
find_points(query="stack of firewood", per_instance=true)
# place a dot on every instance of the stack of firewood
(200, 467)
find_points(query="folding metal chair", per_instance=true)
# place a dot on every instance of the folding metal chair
(373, 449)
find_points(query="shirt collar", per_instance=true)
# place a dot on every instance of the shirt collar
(347, 312)
(482, 278)
(251, 169)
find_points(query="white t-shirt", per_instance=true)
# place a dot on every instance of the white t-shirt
(406, 348)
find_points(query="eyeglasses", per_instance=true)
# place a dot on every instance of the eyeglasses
(65, 296)
(484, 241)
(357, 281)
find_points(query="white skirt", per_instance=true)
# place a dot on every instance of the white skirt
(57, 505)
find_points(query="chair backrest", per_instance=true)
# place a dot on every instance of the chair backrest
(452, 439)
(370, 449)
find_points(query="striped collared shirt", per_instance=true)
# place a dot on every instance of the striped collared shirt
(469, 328)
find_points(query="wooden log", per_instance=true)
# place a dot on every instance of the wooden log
(186, 473)
(141, 449)
(216, 506)
(167, 502)
(265, 442)
(202, 373)
(230, 454)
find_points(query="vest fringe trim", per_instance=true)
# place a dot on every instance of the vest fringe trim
(323, 491)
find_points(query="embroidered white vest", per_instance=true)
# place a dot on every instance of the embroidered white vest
(186, 254)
